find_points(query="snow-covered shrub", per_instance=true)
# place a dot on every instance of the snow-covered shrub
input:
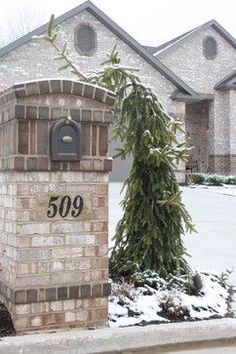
(155, 300)
(149, 278)
(123, 291)
(172, 307)
(184, 283)
(197, 179)
(230, 180)
(223, 278)
(212, 180)
(215, 181)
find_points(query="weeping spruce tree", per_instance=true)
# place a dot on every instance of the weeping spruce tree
(149, 234)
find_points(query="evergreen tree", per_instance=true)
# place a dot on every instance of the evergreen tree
(149, 234)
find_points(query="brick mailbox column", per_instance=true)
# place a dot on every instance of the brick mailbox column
(53, 204)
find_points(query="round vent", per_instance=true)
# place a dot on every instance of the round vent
(85, 39)
(210, 48)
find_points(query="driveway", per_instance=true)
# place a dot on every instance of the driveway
(213, 249)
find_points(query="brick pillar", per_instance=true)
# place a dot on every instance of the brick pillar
(54, 214)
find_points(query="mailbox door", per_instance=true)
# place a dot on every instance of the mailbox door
(65, 141)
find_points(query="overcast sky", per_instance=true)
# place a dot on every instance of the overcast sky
(150, 22)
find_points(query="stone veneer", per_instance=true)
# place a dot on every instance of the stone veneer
(54, 270)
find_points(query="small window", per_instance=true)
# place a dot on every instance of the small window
(85, 39)
(210, 48)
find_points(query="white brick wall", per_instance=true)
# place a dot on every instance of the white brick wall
(187, 61)
(233, 122)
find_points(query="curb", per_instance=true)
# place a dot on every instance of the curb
(118, 340)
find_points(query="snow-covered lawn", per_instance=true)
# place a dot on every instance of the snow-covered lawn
(225, 189)
(213, 248)
(158, 302)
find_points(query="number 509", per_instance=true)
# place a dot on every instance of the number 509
(65, 206)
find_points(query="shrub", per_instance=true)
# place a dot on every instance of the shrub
(212, 180)
(230, 180)
(215, 181)
(224, 277)
(198, 179)
(149, 278)
(152, 279)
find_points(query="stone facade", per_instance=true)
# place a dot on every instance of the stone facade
(54, 269)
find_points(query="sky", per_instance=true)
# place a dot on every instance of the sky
(151, 22)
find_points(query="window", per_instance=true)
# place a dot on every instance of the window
(85, 39)
(210, 48)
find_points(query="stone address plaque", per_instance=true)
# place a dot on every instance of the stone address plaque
(63, 206)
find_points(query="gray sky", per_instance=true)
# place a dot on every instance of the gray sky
(150, 22)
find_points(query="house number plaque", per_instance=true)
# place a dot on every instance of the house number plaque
(64, 206)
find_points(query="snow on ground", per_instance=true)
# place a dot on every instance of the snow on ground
(212, 251)
(213, 248)
(225, 189)
(141, 305)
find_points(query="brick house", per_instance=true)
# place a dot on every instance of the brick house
(194, 76)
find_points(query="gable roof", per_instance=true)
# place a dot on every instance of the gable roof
(213, 23)
(228, 83)
(150, 49)
(124, 36)
(154, 50)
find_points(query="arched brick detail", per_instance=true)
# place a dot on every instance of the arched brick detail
(29, 110)
(57, 86)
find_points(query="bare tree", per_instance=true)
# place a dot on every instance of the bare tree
(20, 22)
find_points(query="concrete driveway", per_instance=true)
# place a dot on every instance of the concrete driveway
(213, 249)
